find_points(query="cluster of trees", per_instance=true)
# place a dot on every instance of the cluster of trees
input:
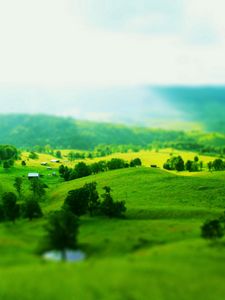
(177, 163)
(63, 225)
(14, 206)
(82, 169)
(213, 229)
(8, 155)
(87, 200)
(216, 165)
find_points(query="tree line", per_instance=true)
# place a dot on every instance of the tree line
(81, 169)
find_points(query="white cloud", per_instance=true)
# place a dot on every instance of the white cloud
(44, 44)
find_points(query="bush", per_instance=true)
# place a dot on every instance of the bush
(212, 229)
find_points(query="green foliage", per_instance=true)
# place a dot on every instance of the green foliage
(43, 133)
(18, 185)
(8, 154)
(33, 155)
(10, 207)
(212, 229)
(81, 170)
(31, 209)
(135, 162)
(110, 208)
(23, 163)
(58, 154)
(62, 230)
(77, 201)
(117, 163)
(93, 198)
(38, 187)
(174, 163)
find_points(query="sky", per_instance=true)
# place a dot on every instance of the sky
(51, 46)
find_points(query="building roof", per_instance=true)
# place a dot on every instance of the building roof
(33, 175)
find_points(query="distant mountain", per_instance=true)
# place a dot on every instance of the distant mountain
(27, 131)
(159, 107)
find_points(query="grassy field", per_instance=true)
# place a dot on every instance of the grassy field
(155, 253)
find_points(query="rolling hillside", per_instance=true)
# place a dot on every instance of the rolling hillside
(156, 252)
(27, 131)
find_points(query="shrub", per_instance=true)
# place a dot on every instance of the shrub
(212, 229)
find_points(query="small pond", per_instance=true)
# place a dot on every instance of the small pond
(69, 255)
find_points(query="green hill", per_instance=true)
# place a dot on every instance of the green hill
(27, 131)
(155, 253)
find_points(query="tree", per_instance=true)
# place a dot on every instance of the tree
(6, 165)
(81, 170)
(135, 162)
(23, 163)
(210, 166)
(33, 155)
(111, 208)
(2, 213)
(10, 206)
(116, 163)
(77, 201)
(196, 158)
(218, 165)
(212, 229)
(174, 163)
(62, 231)
(32, 209)
(188, 165)
(37, 187)
(18, 185)
(58, 154)
(8, 154)
(93, 198)
(179, 164)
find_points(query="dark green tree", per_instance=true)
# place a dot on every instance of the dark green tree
(77, 201)
(10, 206)
(93, 198)
(32, 209)
(109, 207)
(18, 185)
(58, 154)
(23, 163)
(212, 229)
(135, 162)
(81, 170)
(116, 163)
(38, 187)
(62, 231)
(33, 155)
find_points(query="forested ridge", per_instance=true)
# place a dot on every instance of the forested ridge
(60, 132)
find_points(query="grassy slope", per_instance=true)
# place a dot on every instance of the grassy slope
(156, 253)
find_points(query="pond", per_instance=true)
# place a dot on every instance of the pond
(69, 255)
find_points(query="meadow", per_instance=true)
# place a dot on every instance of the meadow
(156, 252)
